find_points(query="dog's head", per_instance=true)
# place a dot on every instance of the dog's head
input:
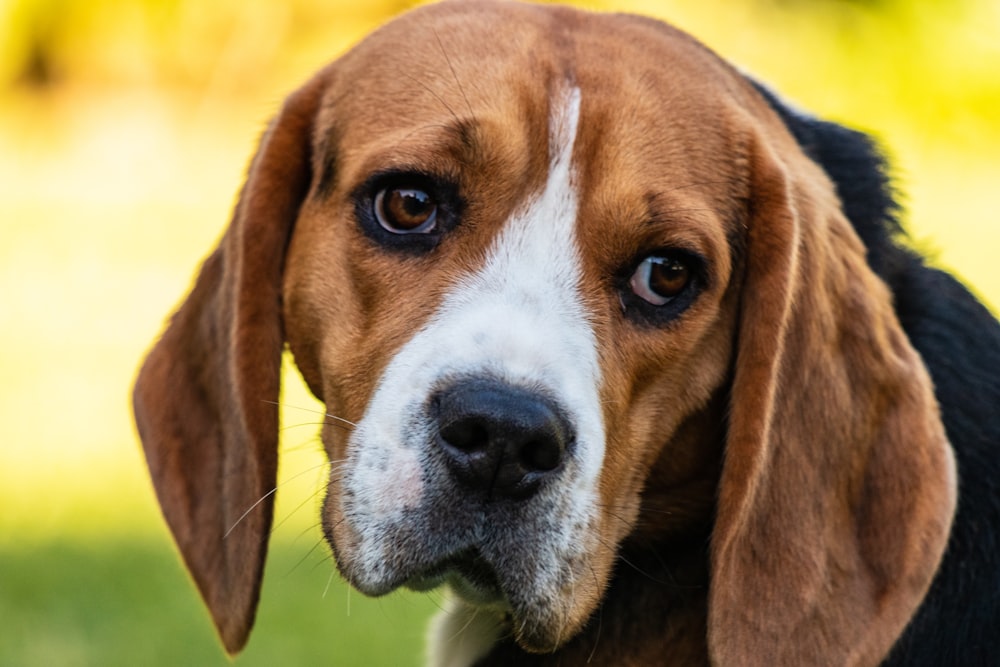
(563, 280)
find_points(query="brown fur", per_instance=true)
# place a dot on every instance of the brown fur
(786, 403)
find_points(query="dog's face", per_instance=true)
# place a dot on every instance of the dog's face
(525, 290)
(564, 282)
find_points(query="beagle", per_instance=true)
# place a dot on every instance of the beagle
(617, 345)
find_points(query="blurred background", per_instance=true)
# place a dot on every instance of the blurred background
(125, 128)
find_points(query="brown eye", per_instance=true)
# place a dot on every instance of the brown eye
(405, 210)
(658, 279)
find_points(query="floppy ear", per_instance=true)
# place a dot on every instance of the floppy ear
(838, 485)
(205, 396)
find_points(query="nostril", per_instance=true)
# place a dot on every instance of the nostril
(541, 455)
(467, 435)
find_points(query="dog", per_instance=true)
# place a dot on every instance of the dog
(625, 350)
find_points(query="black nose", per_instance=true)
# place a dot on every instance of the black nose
(499, 439)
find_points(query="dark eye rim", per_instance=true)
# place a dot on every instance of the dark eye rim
(444, 191)
(643, 312)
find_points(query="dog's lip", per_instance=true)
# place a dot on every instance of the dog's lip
(469, 573)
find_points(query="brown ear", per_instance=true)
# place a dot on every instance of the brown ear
(838, 486)
(205, 397)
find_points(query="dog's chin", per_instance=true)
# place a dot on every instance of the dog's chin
(539, 621)
(468, 575)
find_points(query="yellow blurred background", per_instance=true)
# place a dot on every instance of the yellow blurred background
(125, 128)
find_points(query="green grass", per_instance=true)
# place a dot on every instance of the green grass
(129, 602)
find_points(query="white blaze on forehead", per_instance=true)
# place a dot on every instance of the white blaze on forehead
(519, 319)
(524, 308)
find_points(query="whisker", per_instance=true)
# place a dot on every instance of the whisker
(309, 498)
(282, 404)
(309, 528)
(268, 495)
(454, 74)
(461, 630)
(329, 582)
(434, 93)
(435, 599)
(314, 411)
(327, 558)
(600, 620)
(313, 445)
(348, 422)
(302, 560)
(300, 425)
(336, 467)
(645, 509)
(649, 576)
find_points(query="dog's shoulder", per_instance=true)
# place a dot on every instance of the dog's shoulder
(959, 341)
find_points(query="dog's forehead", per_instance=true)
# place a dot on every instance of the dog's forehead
(506, 63)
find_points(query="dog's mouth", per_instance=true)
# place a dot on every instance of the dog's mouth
(469, 574)
(538, 573)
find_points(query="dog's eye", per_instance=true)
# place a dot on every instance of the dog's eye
(660, 278)
(405, 210)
